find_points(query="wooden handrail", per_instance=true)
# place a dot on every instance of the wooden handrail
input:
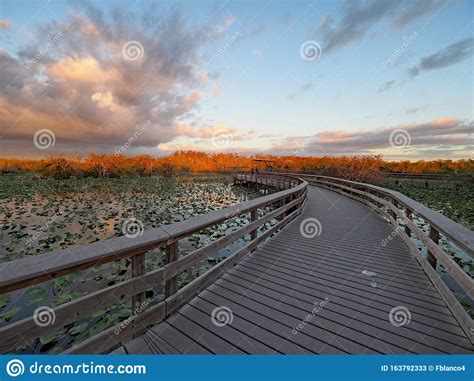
(457, 177)
(31, 270)
(404, 175)
(417, 175)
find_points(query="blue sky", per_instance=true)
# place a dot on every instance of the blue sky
(230, 76)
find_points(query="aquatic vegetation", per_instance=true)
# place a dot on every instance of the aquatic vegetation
(360, 168)
(41, 215)
(452, 200)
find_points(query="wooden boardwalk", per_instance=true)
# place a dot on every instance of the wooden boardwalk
(338, 271)
(340, 291)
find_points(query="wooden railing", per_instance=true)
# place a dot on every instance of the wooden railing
(418, 176)
(431, 177)
(428, 177)
(28, 271)
(400, 210)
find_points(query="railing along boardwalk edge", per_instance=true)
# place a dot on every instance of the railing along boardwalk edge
(400, 209)
(25, 272)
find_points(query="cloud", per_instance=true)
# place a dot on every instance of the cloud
(287, 18)
(104, 100)
(386, 86)
(217, 89)
(257, 52)
(302, 89)
(173, 146)
(269, 136)
(359, 18)
(253, 31)
(79, 82)
(450, 55)
(224, 25)
(5, 24)
(415, 110)
(414, 9)
(440, 132)
(208, 138)
(204, 132)
(82, 70)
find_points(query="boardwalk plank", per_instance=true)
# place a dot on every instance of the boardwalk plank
(315, 340)
(404, 337)
(158, 345)
(227, 332)
(174, 340)
(343, 268)
(359, 305)
(349, 278)
(348, 254)
(343, 328)
(442, 313)
(205, 338)
(278, 343)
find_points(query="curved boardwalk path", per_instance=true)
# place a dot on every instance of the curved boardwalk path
(341, 291)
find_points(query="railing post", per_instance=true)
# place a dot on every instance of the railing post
(171, 252)
(434, 235)
(407, 229)
(253, 217)
(392, 213)
(280, 204)
(138, 268)
(287, 201)
(292, 198)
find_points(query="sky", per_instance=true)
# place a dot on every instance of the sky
(309, 78)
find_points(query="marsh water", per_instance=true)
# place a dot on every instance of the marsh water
(42, 215)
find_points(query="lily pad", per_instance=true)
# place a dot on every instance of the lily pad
(8, 314)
